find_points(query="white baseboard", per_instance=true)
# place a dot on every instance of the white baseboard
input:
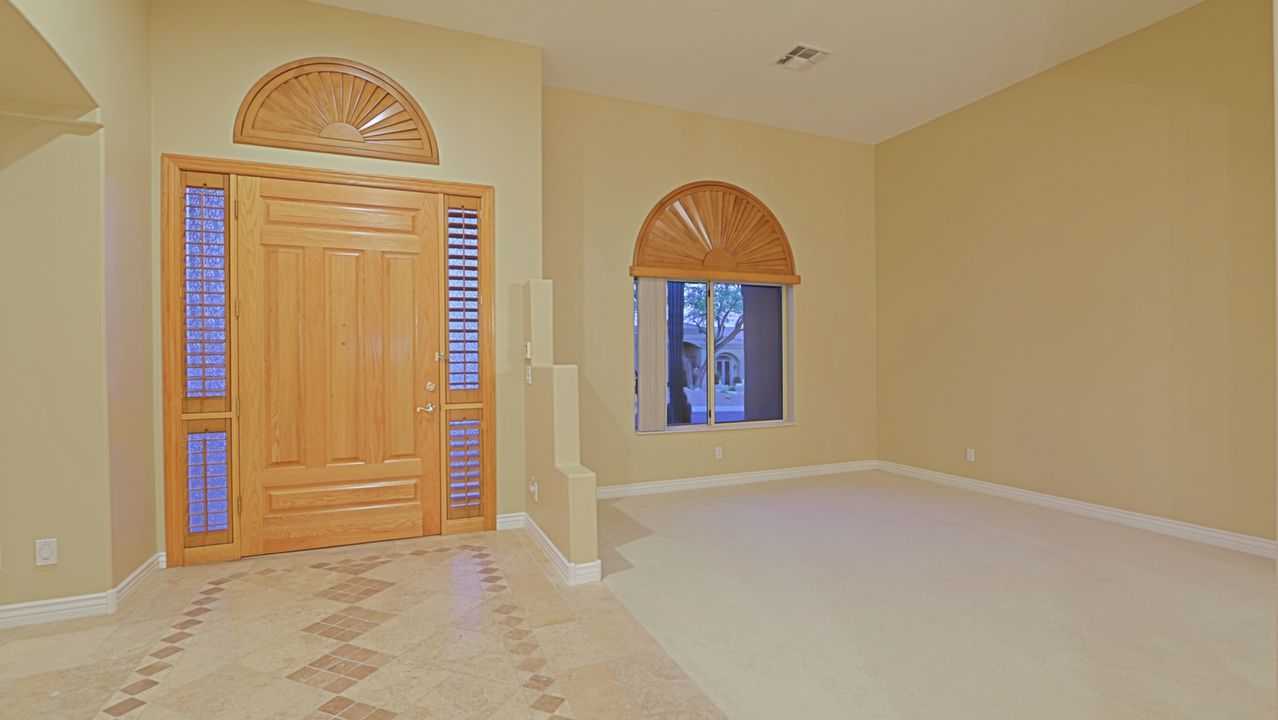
(118, 594)
(510, 521)
(42, 611)
(572, 573)
(1175, 528)
(696, 483)
(103, 603)
(66, 608)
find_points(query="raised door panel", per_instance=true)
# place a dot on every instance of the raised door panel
(281, 361)
(344, 374)
(339, 320)
(401, 292)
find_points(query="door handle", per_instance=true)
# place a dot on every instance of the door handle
(429, 409)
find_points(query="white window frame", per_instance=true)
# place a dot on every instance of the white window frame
(652, 361)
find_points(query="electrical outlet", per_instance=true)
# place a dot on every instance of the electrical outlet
(718, 453)
(47, 551)
(971, 454)
(532, 487)
(528, 375)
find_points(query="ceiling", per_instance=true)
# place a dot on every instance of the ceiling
(895, 65)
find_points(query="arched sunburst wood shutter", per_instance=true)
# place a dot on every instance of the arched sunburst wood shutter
(339, 106)
(713, 231)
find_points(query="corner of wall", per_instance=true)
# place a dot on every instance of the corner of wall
(563, 507)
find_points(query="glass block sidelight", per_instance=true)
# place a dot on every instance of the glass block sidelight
(207, 482)
(205, 353)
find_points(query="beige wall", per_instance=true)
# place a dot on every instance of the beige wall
(482, 96)
(606, 163)
(78, 212)
(53, 421)
(565, 504)
(119, 72)
(76, 467)
(1075, 278)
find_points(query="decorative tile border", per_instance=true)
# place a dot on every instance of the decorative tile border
(346, 664)
(131, 699)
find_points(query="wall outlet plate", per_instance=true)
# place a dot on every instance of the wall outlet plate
(47, 551)
(971, 454)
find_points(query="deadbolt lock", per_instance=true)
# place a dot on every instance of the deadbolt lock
(430, 386)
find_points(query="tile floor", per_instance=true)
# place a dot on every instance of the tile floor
(468, 627)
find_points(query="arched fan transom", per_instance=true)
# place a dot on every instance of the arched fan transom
(338, 106)
(713, 231)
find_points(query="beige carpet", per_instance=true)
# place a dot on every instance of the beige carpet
(872, 596)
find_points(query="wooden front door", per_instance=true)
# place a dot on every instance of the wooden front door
(338, 334)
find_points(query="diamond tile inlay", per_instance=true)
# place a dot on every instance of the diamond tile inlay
(337, 671)
(353, 590)
(453, 574)
(348, 624)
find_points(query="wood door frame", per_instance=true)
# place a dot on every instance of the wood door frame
(172, 237)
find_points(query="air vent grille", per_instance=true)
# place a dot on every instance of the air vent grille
(802, 58)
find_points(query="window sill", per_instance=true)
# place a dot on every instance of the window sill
(721, 426)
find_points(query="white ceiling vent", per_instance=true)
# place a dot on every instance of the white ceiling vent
(802, 58)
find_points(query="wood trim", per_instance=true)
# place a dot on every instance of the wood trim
(333, 105)
(487, 402)
(337, 177)
(461, 526)
(177, 413)
(488, 354)
(668, 273)
(713, 230)
(211, 554)
(171, 227)
(170, 343)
